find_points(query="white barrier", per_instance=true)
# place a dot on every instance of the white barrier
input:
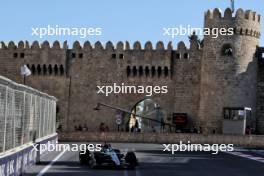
(25, 115)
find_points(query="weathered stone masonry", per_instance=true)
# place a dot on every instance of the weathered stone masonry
(200, 79)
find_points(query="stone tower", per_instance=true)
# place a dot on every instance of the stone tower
(228, 68)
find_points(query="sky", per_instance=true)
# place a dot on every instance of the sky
(119, 20)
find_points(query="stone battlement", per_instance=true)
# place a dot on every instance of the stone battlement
(244, 22)
(88, 46)
(240, 14)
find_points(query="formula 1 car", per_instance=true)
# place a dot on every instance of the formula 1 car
(109, 157)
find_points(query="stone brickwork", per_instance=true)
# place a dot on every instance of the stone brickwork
(164, 138)
(200, 80)
(260, 91)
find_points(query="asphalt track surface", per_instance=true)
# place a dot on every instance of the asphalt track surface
(154, 162)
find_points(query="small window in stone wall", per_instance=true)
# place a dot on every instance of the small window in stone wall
(61, 69)
(15, 55)
(227, 50)
(134, 71)
(113, 56)
(73, 55)
(166, 71)
(128, 71)
(44, 70)
(121, 56)
(235, 30)
(33, 70)
(38, 69)
(186, 56)
(22, 55)
(147, 71)
(241, 31)
(159, 71)
(140, 71)
(178, 55)
(153, 71)
(80, 55)
(50, 69)
(246, 31)
(56, 70)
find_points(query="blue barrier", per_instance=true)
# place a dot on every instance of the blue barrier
(15, 163)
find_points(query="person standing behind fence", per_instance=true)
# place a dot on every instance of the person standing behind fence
(162, 124)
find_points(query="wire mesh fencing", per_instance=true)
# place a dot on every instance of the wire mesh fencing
(25, 114)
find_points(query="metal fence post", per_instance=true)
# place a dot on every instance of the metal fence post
(31, 119)
(54, 117)
(14, 119)
(39, 128)
(23, 117)
(6, 106)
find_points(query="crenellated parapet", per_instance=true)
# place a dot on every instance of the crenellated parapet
(87, 46)
(244, 22)
(34, 46)
(50, 59)
(109, 46)
(240, 14)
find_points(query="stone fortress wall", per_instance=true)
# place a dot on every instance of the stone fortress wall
(201, 81)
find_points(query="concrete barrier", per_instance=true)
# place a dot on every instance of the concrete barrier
(251, 141)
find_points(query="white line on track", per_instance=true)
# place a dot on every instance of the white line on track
(45, 169)
(125, 173)
(136, 172)
(240, 154)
